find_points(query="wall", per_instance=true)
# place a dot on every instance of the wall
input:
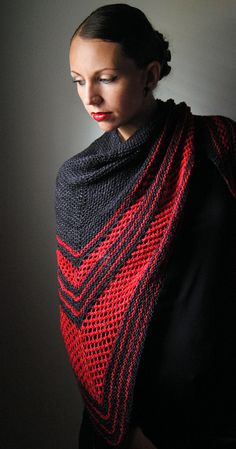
(43, 124)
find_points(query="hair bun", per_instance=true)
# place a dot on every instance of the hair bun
(165, 55)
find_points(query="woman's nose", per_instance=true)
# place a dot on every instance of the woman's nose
(92, 96)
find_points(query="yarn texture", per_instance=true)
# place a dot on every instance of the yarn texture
(118, 207)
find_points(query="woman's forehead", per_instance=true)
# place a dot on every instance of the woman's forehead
(96, 54)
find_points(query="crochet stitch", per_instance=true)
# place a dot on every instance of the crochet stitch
(119, 205)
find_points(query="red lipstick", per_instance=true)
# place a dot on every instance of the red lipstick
(100, 116)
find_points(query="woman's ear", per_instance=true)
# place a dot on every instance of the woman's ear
(153, 71)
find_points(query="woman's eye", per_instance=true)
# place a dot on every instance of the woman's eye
(80, 82)
(108, 80)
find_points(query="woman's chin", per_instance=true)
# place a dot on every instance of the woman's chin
(106, 126)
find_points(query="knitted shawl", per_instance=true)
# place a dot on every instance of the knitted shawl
(118, 208)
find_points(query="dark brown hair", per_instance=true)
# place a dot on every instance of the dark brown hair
(129, 27)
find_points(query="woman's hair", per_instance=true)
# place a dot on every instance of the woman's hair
(129, 27)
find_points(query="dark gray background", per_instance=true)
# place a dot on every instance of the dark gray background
(42, 124)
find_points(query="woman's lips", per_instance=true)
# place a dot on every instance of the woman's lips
(99, 116)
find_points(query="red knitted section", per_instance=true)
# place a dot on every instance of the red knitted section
(108, 289)
(105, 348)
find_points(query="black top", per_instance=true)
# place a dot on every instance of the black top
(185, 394)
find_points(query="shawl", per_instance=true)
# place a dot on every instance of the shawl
(118, 208)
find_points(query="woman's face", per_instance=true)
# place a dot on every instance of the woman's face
(110, 85)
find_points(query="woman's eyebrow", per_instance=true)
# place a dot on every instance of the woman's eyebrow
(97, 71)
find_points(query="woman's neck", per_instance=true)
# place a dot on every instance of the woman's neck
(148, 112)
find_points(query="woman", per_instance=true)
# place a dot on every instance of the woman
(146, 249)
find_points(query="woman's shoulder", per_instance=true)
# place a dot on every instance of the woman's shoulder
(218, 126)
(216, 137)
(74, 165)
